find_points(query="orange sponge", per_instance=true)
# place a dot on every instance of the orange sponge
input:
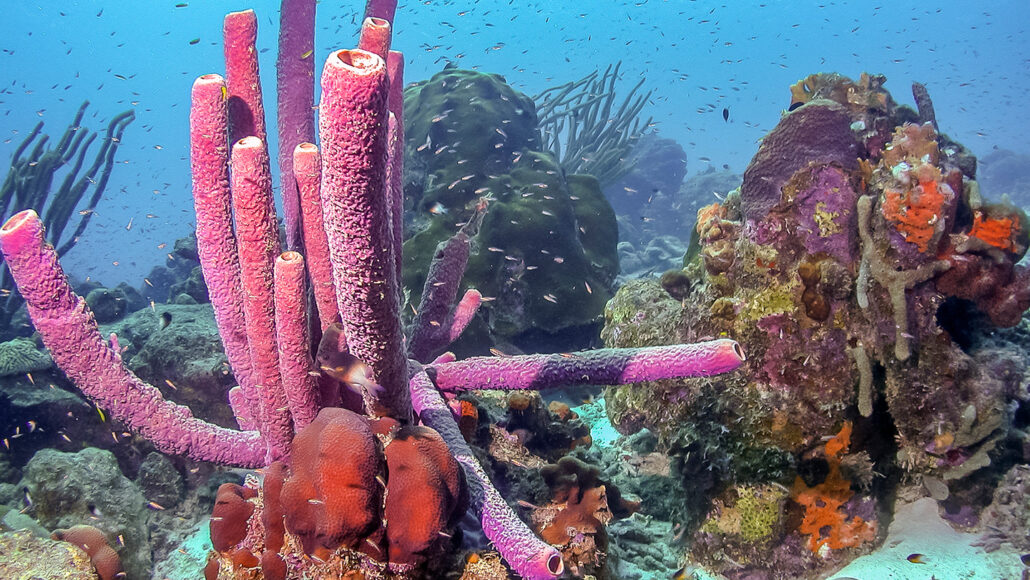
(824, 522)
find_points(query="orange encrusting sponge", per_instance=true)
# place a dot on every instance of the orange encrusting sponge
(916, 212)
(824, 522)
(998, 232)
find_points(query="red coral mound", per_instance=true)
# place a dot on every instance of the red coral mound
(332, 498)
(1000, 289)
(92, 541)
(229, 518)
(334, 511)
(426, 494)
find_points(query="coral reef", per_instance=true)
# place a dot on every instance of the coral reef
(862, 268)
(336, 429)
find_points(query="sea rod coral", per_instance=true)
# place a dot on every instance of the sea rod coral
(368, 491)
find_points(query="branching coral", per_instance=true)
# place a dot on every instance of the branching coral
(580, 125)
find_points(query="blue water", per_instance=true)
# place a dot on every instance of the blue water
(697, 57)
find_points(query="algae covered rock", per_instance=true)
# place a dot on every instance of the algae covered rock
(87, 487)
(176, 348)
(545, 256)
(107, 304)
(23, 555)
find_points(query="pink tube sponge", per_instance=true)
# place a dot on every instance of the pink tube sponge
(70, 332)
(352, 123)
(608, 366)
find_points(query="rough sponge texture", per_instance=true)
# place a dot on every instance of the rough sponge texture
(332, 498)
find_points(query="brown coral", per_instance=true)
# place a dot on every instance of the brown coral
(92, 541)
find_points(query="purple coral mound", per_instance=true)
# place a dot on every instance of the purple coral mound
(868, 279)
(819, 132)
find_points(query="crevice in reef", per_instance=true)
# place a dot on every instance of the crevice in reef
(876, 435)
(963, 322)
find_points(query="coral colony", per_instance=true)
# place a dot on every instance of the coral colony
(374, 491)
(861, 267)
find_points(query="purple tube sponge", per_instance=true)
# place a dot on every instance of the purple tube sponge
(70, 332)
(530, 556)
(609, 366)
(295, 88)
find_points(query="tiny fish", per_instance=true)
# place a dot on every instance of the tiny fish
(726, 115)
(195, 41)
(306, 54)
(181, 5)
(438, 209)
(166, 319)
(1025, 559)
(915, 558)
(680, 574)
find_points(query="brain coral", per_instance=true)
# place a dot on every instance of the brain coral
(546, 251)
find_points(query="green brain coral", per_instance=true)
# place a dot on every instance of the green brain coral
(546, 251)
(20, 356)
(750, 516)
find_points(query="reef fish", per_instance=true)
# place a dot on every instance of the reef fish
(336, 361)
